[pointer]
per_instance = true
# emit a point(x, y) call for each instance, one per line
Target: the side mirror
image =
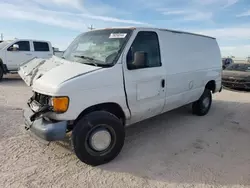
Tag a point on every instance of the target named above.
point(140, 59)
point(15, 47)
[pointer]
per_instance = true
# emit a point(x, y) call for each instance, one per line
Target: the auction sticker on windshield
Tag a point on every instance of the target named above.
point(117, 35)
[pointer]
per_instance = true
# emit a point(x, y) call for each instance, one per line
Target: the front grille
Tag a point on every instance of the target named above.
point(40, 98)
point(233, 80)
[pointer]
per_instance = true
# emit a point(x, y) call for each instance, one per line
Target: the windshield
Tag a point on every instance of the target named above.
point(239, 67)
point(4, 43)
point(100, 47)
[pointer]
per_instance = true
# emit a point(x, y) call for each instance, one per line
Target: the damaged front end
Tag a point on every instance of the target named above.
point(39, 106)
point(35, 68)
point(47, 77)
point(37, 121)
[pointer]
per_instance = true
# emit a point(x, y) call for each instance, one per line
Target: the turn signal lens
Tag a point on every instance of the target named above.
point(60, 104)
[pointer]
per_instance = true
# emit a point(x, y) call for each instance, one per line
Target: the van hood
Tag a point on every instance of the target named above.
point(52, 72)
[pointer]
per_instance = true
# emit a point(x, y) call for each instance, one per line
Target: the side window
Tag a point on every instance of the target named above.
point(41, 46)
point(22, 46)
point(144, 52)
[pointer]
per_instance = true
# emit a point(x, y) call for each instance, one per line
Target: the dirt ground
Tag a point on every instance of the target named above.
point(175, 149)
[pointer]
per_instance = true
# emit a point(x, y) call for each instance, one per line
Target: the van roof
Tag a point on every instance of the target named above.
point(161, 29)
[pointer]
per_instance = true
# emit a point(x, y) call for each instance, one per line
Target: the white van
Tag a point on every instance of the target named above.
point(110, 78)
point(15, 52)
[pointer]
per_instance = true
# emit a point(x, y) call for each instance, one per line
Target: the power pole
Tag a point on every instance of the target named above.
point(91, 27)
point(1, 36)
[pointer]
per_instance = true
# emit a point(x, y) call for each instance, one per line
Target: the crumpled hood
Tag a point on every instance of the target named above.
point(52, 72)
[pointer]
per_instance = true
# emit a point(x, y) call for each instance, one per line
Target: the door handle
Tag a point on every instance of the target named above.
point(28, 54)
point(163, 83)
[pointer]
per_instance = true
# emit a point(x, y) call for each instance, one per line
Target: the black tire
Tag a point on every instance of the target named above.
point(199, 108)
point(1, 73)
point(90, 124)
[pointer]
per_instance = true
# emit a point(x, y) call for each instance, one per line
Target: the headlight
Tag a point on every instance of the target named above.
point(60, 104)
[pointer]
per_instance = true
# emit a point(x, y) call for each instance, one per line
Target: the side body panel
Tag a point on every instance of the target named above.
point(191, 62)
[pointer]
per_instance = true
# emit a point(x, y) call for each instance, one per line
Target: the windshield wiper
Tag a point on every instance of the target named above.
point(84, 57)
point(88, 58)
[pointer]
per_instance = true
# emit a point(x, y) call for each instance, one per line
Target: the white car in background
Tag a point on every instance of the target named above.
point(13, 53)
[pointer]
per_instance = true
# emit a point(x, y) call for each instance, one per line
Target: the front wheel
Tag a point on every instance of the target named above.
point(98, 138)
point(203, 105)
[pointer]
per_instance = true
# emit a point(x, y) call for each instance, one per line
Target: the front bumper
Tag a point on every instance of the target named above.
point(237, 85)
point(44, 129)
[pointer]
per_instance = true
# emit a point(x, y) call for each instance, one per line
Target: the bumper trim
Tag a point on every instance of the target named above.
point(239, 85)
point(44, 129)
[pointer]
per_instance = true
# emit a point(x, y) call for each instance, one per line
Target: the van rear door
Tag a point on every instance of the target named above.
point(145, 81)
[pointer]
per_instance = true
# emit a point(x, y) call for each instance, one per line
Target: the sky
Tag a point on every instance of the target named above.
point(60, 21)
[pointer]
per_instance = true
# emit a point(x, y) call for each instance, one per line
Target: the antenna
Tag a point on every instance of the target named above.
point(1, 36)
point(91, 27)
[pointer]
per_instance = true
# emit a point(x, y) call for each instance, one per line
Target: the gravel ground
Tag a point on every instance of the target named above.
point(175, 149)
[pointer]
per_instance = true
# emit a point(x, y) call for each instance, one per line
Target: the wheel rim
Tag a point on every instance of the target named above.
point(100, 140)
point(206, 102)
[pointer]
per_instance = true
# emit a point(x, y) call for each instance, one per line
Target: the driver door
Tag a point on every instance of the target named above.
point(145, 83)
point(15, 57)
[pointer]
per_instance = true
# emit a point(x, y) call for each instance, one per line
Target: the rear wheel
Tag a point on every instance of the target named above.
point(98, 138)
point(1, 73)
point(203, 105)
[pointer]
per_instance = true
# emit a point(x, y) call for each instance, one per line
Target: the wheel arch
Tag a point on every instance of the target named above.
point(111, 107)
point(211, 85)
point(1, 63)
point(3, 66)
